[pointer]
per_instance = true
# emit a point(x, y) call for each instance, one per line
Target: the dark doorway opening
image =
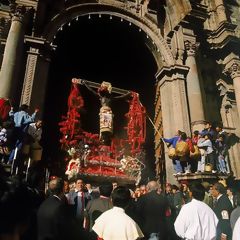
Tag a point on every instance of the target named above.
point(102, 48)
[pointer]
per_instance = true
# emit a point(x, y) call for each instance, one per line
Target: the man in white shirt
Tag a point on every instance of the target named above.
point(115, 224)
point(236, 230)
point(196, 220)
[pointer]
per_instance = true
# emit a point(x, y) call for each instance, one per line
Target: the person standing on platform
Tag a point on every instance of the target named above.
point(35, 131)
point(21, 121)
point(173, 142)
point(196, 220)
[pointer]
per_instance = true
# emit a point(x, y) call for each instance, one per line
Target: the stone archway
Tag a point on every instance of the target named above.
point(154, 40)
point(170, 78)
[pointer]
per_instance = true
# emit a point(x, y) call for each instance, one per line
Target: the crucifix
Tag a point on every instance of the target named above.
point(104, 92)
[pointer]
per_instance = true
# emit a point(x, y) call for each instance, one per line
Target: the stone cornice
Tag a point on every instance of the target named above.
point(172, 73)
point(222, 35)
point(227, 94)
point(199, 11)
point(231, 65)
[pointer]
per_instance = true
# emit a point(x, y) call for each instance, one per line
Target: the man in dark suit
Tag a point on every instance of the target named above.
point(47, 215)
point(222, 209)
point(97, 206)
point(79, 198)
point(151, 210)
point(56, 219)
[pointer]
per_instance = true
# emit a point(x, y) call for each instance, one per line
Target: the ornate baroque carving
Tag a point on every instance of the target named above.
point(191, 47)
point(17, 12)
point(29, 76)
point(227, 94)
point(233, 70)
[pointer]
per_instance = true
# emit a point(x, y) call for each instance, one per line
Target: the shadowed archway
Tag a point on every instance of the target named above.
point(102, 48)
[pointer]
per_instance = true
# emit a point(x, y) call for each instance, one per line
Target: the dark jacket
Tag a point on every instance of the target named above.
point(96, 207)
point(47, 217)
point(223, 209)
point(151, 210)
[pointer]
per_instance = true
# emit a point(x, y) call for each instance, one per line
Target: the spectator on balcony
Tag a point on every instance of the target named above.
point(187, 163)
point(172, 142)
point(35, 131)
point(195, 137)
point(207, 145)
point(209, 130)
point(21, 121)
point(220, 131)
point(221, 152)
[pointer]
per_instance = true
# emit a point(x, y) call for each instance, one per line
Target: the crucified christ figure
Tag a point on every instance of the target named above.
point(104, 92)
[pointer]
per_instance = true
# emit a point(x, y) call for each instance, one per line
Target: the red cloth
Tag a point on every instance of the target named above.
point(190, 145)
point(4, 108)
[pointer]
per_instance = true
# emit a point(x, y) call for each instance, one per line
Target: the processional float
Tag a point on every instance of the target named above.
point(101, 156)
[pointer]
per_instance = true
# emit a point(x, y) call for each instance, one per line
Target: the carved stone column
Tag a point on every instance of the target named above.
point(33, 55)
point(231, 123)
point(12, 50)
point(35, 80)
point(232, 68)
point(2, 27)
point(220, 10)
point(193, 88)
point(171, 81)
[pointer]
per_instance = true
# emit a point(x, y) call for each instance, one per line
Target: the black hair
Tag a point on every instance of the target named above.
point(220, 188)
point(209, 136)
point(222, 136)
point(121, 197)
point(196, 132)
point(183, 136)
point(78, 177)
point(106, 189)
point(197, 190)
point(55, 186)
point(24, 107)
point(175, 187)
point(17, 204)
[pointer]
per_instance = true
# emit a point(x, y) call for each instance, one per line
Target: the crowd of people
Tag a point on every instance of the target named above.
point(206, 151)
point(19, 132)
point(109, 211)
point(72, 209)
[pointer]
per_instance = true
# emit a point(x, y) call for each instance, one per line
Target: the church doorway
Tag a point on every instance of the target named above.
point(99, 48)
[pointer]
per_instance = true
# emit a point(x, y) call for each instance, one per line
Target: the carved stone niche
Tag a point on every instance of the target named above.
point(230, 120)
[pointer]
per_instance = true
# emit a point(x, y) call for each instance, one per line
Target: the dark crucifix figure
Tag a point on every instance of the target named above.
point(104, 92)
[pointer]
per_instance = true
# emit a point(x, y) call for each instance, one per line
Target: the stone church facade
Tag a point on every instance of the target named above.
point(195, 45)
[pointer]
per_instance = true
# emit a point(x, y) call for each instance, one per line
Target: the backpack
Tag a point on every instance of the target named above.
point(196, 154)
point(171, 153)
point(182, 149)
